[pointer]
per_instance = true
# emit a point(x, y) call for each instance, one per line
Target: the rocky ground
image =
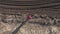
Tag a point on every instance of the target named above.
point(12, 15)
point(40, 24)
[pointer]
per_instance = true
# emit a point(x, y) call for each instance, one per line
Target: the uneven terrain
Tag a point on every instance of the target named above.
point(45, 17)
point(8, 23)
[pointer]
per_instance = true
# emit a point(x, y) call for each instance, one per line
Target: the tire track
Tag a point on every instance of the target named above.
point(32, 7)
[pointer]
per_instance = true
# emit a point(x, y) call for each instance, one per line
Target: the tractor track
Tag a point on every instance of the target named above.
point(32, 7)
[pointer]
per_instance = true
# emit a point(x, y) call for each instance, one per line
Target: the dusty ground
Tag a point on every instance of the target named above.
point(30, 27)
point(38, 25)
